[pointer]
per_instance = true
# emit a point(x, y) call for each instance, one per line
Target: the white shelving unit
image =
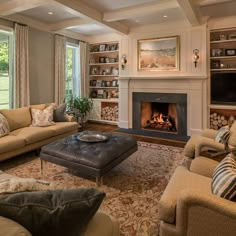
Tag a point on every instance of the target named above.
point(222, 62)
point(103, 81)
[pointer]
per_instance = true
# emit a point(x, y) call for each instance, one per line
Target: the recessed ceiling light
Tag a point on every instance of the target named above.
point(165, 16)
point(137, 21)
point(50, 13)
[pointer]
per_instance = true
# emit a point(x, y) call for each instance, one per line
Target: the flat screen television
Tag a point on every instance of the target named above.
point(223, 88)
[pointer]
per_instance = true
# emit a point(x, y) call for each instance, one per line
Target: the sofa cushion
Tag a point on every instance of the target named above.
point(11, 142)
point(4, 127)
point(182, 179)
point(222, 135)
point(232, 138)
point(42, 118)
point(11, 228)
point(59, 113)
point(203, 166)
point(63, 127)
point(58, 212)
point(33, 134)
point(224, 178)
point(17, 118)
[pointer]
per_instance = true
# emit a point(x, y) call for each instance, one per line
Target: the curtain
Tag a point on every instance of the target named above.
point(60, 50)
point(83, 69)
point(21, 84)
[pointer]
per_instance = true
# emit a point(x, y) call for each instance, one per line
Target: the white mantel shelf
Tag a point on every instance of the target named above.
point(175, 77)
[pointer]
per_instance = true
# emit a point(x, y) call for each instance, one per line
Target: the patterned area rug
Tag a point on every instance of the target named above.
point(132, 189)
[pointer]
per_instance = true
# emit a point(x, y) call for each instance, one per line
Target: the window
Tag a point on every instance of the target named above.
point(72, 84)
point(6, 69)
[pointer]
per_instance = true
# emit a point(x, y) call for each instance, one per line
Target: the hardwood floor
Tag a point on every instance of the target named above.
point(113, 128)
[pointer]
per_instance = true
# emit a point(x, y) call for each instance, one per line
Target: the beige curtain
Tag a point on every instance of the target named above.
point(83, 69)
point(60, 50)
point(21, 85)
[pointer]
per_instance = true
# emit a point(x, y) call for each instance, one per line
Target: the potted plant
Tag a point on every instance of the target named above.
point(79, 107)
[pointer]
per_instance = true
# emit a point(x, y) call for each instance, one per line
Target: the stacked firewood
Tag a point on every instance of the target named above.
point(218, 120)
point(110, 113)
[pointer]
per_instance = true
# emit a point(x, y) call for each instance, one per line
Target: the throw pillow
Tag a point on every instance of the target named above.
point(41, 118)
point(232, 138)
point(222, 135)
point(59, 113)
point(47, 213)
point(17, 184)
point(224, 178)
point(4, 127)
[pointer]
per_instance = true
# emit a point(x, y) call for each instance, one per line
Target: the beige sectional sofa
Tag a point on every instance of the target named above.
point(23, 138)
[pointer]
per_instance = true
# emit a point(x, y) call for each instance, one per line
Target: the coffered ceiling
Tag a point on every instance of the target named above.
point(83, 17)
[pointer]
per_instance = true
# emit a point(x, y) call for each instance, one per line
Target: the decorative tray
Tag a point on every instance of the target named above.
point(92, 138)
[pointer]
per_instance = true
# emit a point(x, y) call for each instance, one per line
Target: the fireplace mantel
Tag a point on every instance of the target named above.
point(194, 87)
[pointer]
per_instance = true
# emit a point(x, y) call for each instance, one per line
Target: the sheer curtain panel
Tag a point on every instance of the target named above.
point(60, 49)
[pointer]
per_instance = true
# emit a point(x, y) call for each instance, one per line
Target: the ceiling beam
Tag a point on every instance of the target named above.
point(139, 10)
point(190, 12)
point(68, 23)
point(27, 21)
point(14, 6)
point(211, 2)
point(93, 14)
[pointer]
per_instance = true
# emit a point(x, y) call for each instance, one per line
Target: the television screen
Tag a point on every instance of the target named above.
point(223, 88)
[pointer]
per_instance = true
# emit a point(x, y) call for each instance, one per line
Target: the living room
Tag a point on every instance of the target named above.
point(127, 26)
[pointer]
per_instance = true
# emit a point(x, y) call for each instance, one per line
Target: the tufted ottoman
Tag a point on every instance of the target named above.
point(89, 158)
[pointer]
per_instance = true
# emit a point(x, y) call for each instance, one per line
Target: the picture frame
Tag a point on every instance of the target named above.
point(102, 47)
point(100, 93)
point(230, 52)
point(216, 52)
point(99, 83)
point(232, 36)
point(101, 59)
point(114, 83)
point(159, 54)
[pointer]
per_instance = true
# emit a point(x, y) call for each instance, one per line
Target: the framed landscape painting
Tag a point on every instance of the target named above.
point(161, 54)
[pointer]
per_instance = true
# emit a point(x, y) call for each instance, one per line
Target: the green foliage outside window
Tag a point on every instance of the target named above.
point(4, 60)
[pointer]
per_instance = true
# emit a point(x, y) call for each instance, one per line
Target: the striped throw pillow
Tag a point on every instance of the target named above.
point(224, 178)
point(222, 135)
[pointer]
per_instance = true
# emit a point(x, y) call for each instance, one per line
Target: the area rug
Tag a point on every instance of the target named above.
point(132, 189)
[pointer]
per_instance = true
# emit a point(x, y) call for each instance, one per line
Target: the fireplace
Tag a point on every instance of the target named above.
point(160, 114)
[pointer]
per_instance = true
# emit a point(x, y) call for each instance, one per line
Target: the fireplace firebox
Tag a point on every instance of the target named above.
point(160, 113)
point(159, 116)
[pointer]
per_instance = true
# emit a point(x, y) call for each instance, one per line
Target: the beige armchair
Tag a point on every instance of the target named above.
point(188, 207)
point(206, 140)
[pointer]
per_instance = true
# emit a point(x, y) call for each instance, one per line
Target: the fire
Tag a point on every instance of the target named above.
point(158, 117)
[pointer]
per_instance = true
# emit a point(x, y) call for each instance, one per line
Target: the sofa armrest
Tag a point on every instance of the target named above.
point(96, 226)
point(208, 143)
point(209, 133)
point(205, 214)
point(11, 228)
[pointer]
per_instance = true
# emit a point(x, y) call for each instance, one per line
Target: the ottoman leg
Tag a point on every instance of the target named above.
point(99, 181)
point(42, 165)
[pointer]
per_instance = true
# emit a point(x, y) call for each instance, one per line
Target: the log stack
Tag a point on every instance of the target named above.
point(218, 120)
point(110, 113)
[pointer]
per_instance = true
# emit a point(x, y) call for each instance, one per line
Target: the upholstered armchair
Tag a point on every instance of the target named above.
point(189, 208)
point(207, 140)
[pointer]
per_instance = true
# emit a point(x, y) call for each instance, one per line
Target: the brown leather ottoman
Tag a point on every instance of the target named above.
point(89, 158)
